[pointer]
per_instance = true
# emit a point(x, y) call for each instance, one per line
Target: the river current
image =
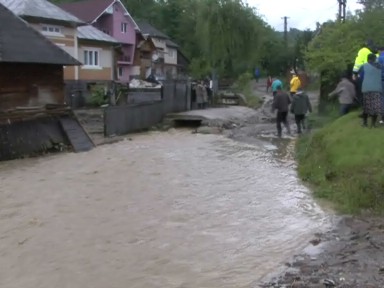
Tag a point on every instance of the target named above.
point(171, 209)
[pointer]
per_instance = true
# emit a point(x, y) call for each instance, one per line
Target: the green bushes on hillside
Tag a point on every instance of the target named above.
point(345, 164)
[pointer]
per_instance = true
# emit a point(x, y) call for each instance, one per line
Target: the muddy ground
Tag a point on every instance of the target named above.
point(350, 255)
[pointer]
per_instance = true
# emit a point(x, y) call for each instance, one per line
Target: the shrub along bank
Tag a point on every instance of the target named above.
point(345, 164)
point(244, 85)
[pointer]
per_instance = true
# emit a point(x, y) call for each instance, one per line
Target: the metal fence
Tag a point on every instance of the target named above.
point(123, 119)
point(139, 95)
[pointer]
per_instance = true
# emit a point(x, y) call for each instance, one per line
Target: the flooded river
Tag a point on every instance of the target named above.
point(170, 210)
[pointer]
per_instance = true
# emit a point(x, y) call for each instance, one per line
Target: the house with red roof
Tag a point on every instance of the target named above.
point(112, 18)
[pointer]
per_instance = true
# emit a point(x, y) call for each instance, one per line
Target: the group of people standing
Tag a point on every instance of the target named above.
point(366, 87)
point(297, 102)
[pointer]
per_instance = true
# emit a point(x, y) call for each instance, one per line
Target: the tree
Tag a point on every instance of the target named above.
point(370, 5)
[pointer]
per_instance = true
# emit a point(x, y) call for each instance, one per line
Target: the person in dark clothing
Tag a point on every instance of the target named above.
point(300, 107)
point(281, 103)
point(346, 92)
point(269, 83)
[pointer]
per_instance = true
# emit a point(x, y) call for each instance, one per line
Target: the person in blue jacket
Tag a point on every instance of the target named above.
point(257, 74)
point(275, 84)
point(381, 62)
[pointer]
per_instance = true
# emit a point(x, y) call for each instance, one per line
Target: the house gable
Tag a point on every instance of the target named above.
point(15, 33)
point(41, 10)
point(91, 10)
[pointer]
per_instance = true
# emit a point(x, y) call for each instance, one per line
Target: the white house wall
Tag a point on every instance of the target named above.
point(170, 56)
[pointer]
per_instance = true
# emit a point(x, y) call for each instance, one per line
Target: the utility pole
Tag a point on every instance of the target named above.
point(342, 10)
point(286, 30)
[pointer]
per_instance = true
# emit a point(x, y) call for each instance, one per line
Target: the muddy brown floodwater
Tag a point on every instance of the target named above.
point(171, 209)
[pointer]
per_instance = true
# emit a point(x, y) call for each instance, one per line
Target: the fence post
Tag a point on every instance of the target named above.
point(188, 95)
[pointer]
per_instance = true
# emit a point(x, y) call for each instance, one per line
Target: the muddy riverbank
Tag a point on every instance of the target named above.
point(351, 254)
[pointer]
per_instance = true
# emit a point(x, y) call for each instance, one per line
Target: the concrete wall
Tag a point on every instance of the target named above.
point(128, 118)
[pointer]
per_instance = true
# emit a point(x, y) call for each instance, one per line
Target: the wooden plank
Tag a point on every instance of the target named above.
point(77, 136)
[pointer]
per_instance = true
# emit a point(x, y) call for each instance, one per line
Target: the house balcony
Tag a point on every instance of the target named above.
point(124, 60)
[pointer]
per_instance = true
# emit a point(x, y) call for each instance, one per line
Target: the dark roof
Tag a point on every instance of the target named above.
point(170, 43)
point(19, 42)
point(148, 29)
point(41, 9)
point(87, 10)
point(90, 10)
point(182, 59)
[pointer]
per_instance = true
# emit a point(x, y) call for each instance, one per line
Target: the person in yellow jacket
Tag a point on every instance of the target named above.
point(362, 58)
point(295, 83)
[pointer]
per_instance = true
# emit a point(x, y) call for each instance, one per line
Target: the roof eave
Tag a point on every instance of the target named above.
point(113, 43)
point(74, 63)
point(54, 21)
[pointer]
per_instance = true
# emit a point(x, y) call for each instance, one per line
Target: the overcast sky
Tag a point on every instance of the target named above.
point(302, 13)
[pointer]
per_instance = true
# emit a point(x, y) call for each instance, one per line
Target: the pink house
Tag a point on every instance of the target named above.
point(111, 17)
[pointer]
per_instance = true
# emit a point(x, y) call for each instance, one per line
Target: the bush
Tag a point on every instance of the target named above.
point(243, 81)
point(243, 85)
point(97, 96)
point(344, 162)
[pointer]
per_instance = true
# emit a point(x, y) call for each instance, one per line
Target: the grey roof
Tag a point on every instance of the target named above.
point(148, 29)
point(41, 9)
point(20, 43)
point(91, 33)
point(170, 43)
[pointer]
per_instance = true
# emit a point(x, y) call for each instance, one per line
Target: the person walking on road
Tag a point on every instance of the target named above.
point(276, 83)
point(346, 92)
point(295, 83)
point(257, 74)
point(269, 83)
point(281, 103)
point(300, 107)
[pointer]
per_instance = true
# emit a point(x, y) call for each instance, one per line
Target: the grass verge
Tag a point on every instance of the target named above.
point(345, 164)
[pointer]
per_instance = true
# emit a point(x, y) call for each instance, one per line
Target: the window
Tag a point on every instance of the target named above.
point(170, 53)
point(105, 31)
point(91, 58)
point(124, 27)
point(120, 72)
point(51, 29)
